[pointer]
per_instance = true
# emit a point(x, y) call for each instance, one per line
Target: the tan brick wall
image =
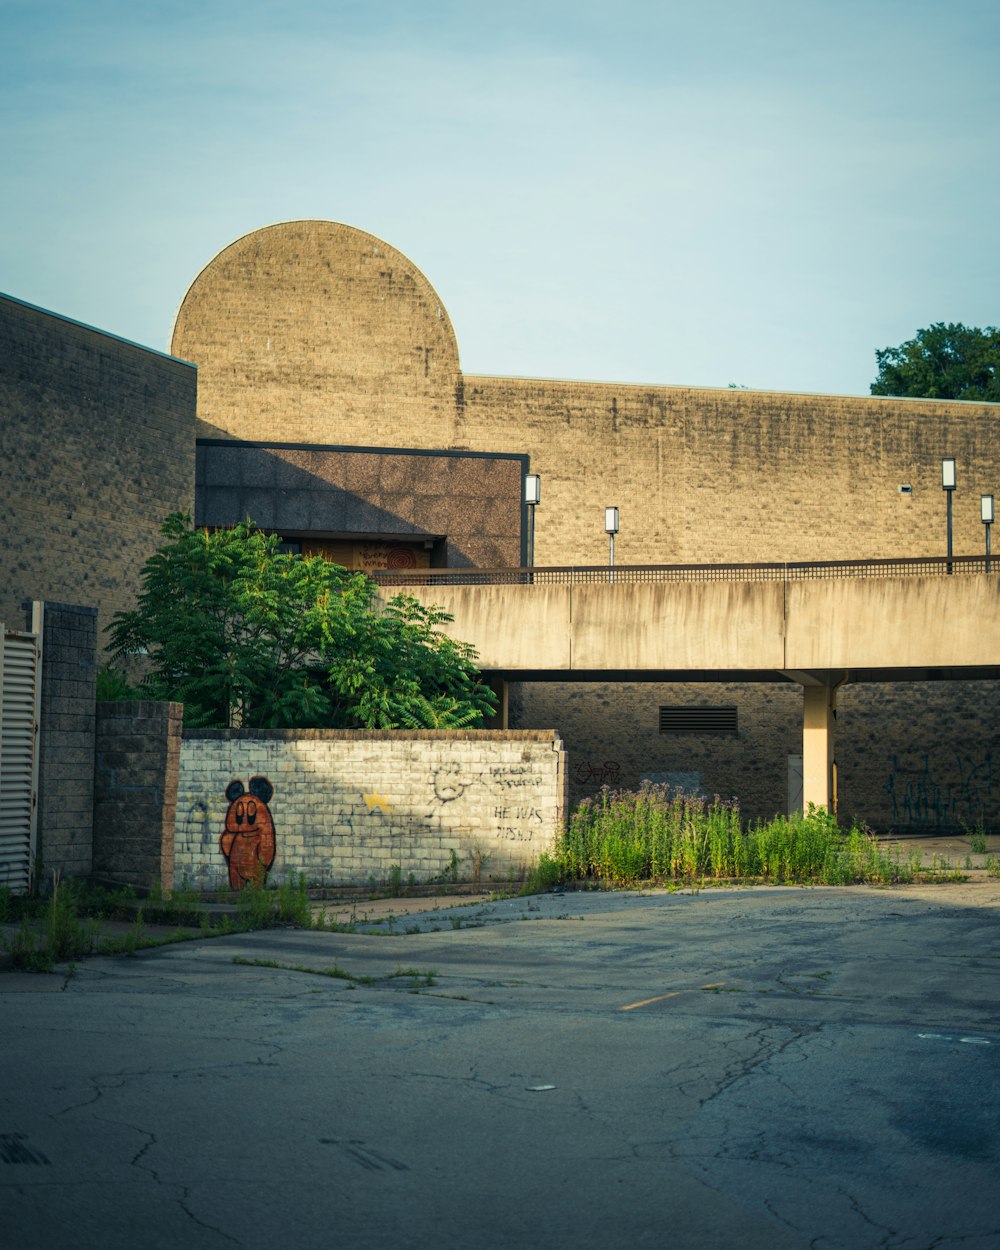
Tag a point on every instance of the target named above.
point(348, 805)
point(913, 756)
point(612, 737)
point(96, 447)
point(317, 333)
point(303, 337)
point(920, 756)
point(711, 476)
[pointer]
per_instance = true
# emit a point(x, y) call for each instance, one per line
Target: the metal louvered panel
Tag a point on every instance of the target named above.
point(19, 703)
point(717, 722)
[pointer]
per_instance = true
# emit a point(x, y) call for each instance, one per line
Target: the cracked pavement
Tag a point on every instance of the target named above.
point(772, 1068)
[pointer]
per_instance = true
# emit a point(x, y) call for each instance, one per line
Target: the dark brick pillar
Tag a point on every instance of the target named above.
point(135, 791)
point(66, 752)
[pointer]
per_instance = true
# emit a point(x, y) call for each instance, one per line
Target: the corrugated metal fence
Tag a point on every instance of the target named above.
point(20, 713)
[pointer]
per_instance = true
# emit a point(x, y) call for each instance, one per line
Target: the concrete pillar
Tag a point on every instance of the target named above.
point(819, 705)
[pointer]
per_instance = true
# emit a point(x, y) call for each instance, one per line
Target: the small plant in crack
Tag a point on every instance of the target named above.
point(335, 972)
point(415, 975)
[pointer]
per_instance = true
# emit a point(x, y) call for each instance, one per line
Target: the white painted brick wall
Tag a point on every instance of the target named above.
point(347, 807)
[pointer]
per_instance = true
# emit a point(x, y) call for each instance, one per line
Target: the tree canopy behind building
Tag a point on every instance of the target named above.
point(242, 632)
point(942, 362)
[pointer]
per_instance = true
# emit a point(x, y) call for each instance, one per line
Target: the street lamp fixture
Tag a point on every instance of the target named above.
point(532, 497)
point(948, 486)
point(986, 515)
point(611, 529)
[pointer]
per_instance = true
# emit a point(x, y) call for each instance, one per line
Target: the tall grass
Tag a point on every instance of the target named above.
point(660, 834)
point(67, 925)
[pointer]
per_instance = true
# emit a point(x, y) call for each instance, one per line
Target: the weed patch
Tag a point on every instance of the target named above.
point(664, 836)
point(415, 976)
point(54, 933)
point(334, 971)
point(65, 925)
point(977, 836)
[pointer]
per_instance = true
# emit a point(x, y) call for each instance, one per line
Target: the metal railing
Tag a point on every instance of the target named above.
point(627, 575)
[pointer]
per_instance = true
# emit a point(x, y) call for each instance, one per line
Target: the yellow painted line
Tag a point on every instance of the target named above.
point(673, 994)
point(646, 1001)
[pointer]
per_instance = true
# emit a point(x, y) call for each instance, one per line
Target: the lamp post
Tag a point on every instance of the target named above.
point(948, 486)
point(986, 514)
point(611, 529)
point(532, 497)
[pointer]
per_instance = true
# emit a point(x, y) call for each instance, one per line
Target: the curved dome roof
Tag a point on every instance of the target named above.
point(313, 320)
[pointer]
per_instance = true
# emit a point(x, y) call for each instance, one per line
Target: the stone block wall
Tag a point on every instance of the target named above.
point(96, 448)
point(306, 332)
point(916, 757)
point(352, 807)
point(324, 321)
point(920, 757)
point(317, 333)
point(66, 749)
point(612, 736)
point(135, 791)
point(719, 476)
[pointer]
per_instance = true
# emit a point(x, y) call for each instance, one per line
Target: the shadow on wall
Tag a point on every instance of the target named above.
point(468, 506)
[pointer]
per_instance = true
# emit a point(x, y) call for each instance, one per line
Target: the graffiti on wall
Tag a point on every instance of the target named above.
point(440, 818)
point(918, 797)
point(247, 838)
point(608, 773)
point(449, 783)
point(504, 778)
point(511, 787)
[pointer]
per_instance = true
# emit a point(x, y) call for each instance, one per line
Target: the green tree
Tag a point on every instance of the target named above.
point(942, 362)
point(241, 632)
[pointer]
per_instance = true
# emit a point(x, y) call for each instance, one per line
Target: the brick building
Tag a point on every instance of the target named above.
point(332, 408)
point(315, 334)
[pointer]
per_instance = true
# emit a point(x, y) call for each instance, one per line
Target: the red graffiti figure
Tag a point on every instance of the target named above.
point(247, 838)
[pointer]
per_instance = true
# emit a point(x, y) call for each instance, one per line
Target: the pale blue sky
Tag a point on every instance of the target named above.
point(673, 193)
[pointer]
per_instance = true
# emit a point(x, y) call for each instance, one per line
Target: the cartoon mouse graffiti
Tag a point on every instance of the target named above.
point(247, 838)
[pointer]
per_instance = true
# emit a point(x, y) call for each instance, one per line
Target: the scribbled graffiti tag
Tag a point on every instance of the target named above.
point(606, 774)
point(918, 797)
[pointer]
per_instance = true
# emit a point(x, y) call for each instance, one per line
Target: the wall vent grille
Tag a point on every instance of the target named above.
point(716, 722)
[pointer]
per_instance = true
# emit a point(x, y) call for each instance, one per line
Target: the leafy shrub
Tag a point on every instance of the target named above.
point(242, 632)
point(113, 685)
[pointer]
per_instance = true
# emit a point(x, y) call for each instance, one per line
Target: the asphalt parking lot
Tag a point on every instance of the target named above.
point(745, 1068)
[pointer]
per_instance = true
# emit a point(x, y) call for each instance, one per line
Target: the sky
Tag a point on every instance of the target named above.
point(672, 192)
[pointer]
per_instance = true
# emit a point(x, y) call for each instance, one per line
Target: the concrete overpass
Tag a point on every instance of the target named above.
point(816, 625)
